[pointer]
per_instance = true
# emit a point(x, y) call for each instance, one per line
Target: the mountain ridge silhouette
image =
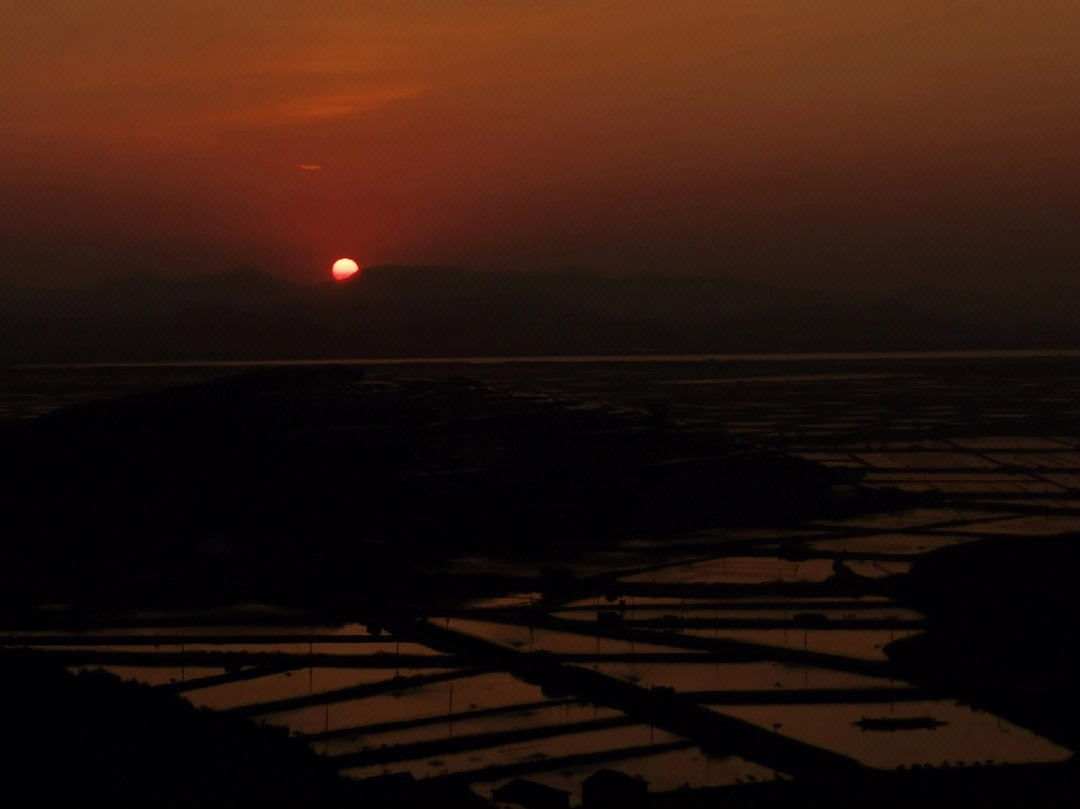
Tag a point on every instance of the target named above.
point(420, 310)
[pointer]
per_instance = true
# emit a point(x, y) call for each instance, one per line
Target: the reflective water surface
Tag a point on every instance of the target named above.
point(780, 627)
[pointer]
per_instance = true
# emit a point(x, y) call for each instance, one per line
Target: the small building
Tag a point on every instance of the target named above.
point(612, 788)
point(531, 795)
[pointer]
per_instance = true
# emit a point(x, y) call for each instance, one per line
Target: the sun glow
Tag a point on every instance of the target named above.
point(345, 268)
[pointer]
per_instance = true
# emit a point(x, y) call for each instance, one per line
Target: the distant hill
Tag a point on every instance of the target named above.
point(306, 465)
point(401, 311)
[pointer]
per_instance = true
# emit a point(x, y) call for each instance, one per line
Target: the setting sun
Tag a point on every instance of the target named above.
point(345, 268)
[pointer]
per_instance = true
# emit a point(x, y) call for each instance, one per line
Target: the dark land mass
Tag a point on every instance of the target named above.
point(92, 740)
point(1003, 629)
point(400, 311)
point(317, 486)
point(323, 488)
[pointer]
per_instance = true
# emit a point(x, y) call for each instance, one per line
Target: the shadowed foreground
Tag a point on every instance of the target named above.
point(92, 740)
point(193, 498)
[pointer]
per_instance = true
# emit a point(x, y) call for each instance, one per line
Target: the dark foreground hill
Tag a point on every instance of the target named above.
point(1003, 629)
point(92, 740)
point(313, 482)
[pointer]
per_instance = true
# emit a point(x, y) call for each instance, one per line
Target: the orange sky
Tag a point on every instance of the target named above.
point(801, 141)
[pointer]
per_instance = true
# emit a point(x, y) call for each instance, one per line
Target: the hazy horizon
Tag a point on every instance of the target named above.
point(900, 286)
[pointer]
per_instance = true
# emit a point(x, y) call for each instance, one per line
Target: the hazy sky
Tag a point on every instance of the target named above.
point(818, 142)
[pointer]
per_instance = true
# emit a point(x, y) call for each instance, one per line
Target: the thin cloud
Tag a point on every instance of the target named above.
point(312, 109)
